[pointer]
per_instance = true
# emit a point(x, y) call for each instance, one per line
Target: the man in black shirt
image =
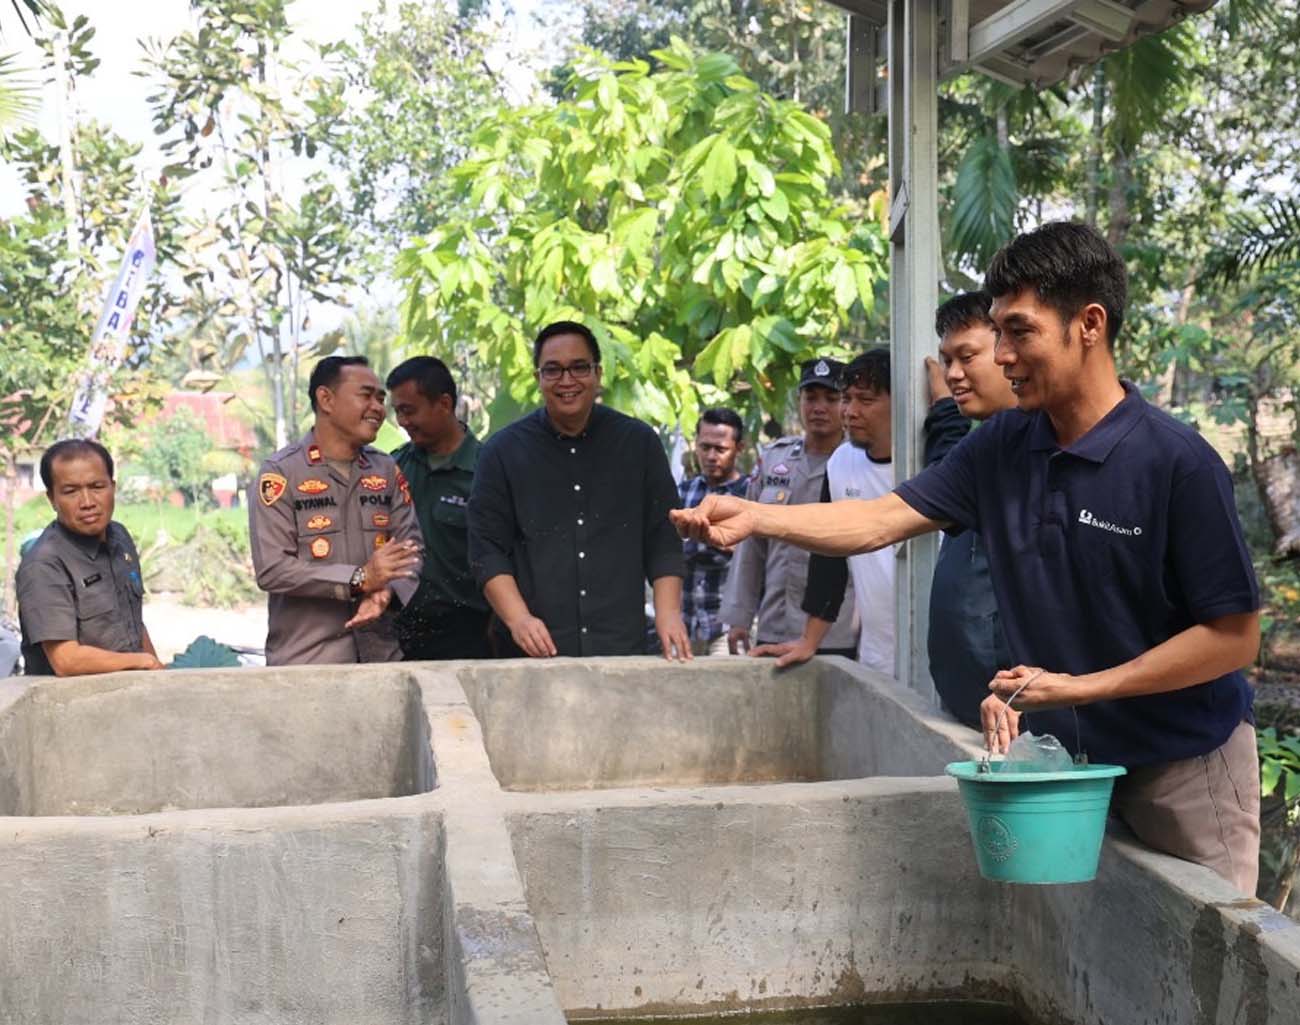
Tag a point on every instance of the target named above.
point(568, 518)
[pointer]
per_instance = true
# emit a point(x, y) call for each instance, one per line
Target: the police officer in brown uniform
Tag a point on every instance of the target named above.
point(334, 536)
point(768, 577)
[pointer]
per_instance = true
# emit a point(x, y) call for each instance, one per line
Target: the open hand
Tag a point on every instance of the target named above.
point(397, 560)
point(371, 608)
point(722, 521)
point(788, 653)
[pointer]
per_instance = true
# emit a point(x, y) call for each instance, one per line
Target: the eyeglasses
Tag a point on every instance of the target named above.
point(579, 371)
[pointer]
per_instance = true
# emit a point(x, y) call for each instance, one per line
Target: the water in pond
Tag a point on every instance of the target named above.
point(916, 1013)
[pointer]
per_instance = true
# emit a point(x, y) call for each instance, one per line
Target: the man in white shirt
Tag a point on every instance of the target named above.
point(861, 468)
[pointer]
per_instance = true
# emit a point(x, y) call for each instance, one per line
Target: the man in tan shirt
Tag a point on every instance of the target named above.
point(333, 533)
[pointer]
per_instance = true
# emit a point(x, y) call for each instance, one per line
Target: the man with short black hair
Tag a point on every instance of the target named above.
point(717, 444)
point(80, 595)
point(568, 518)
point(862, 467)
point(333, 534)
point(767, 578)
point(966, 643)
point(1123, 580)
point(448, 617)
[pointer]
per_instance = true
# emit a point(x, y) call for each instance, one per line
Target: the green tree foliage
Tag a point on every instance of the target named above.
point(235, 109)
point(422, 83)
point(173, 451)
point(681, 212)
point(792, 49)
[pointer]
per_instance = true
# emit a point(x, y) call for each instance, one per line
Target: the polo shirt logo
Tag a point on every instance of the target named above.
point(1088, 520)
point(460, 500)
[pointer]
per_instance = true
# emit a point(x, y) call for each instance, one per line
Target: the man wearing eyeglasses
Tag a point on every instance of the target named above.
point(568, 518)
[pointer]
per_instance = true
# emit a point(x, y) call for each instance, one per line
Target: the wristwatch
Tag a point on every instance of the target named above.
point(358, 582)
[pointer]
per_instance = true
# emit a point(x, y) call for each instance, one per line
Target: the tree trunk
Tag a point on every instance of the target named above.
point(1095, 145)
point(1278, 478)
point(1120, 217)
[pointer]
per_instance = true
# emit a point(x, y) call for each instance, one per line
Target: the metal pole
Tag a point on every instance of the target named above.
point(913, 295)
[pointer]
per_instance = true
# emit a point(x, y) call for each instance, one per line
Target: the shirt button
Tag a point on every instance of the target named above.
point(574, 451)
point(584, 629)
point(577, 487)
point(580, 521)
point(582, 593)
point(582, 555)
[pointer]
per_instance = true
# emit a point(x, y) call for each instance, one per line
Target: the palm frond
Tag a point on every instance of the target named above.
point(1145, 80)
point(37, 9)
point(1263, 240)
point(985, 197)
point(19, 99)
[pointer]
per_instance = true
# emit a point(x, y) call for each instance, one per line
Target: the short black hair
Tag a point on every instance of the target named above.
point(565, 327)
point(869, 370)
point(723, 417)
point(964, 310)
point(327, 372)
point(430, 374)
point(1068, 265)
point(72, 448)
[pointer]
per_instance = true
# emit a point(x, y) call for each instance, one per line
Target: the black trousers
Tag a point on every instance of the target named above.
point(443, 633)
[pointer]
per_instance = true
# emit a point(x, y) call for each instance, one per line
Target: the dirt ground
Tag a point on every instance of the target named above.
point(172, 626)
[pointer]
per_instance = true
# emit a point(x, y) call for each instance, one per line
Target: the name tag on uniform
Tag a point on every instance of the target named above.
point(94, 578)
point(459, 500)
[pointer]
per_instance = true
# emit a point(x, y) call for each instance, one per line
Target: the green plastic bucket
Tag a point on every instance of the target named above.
point(1036, 827)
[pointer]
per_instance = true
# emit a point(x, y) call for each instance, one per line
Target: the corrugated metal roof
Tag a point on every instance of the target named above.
point(1040, 42)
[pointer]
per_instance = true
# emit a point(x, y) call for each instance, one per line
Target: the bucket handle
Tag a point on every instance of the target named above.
point(985, 765)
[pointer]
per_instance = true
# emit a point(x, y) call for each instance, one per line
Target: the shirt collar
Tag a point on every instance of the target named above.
point(1100, 441)
point(593, 422)
point(91, 546)
point(312, 454)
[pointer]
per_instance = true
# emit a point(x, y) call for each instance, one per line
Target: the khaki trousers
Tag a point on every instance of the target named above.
point(1204, 810)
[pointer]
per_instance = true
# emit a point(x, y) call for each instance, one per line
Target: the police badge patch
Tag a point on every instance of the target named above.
point(312, 486)
point(320, 547)
point(374, 483)
point(270, 486)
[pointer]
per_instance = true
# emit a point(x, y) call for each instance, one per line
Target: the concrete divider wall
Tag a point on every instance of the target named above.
point(129, 743)
point(800, 895)
point(286, 916)
point(470, 905)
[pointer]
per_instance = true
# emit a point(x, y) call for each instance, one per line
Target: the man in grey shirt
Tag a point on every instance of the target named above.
point(80, 595)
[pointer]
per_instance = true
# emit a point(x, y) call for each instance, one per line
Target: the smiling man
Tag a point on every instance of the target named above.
point(333, 533)
point(568, 519)
point(448, 617)
point(1122, 578)
point(80, 597)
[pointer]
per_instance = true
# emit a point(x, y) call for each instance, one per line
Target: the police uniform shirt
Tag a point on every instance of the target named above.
point(310, 527)
point(768, 577)
point(77, 588)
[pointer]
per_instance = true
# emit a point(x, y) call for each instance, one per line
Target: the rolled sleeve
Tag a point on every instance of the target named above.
point(46, 606)
point(491, 519)
point(1207, 549)
point(274, 540)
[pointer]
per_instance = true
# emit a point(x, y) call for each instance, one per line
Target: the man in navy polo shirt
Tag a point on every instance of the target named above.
point(1125, 587)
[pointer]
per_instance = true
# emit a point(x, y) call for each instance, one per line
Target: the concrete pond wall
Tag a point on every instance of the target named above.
point(514, 842)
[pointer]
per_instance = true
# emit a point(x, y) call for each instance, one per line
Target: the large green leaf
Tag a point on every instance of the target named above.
point(984, 201)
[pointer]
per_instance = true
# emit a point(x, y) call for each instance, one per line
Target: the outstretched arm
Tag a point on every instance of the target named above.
point(835, 528)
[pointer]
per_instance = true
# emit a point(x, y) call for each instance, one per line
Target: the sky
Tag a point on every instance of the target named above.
point(118, 97)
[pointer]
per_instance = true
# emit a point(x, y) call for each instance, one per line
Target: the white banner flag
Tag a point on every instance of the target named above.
point(108, 345)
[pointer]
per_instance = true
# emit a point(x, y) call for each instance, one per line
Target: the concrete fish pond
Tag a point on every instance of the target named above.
point(534, 843)
point(919, 1013)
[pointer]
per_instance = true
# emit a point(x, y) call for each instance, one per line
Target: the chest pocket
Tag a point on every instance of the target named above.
point(449, 516)
point(320, 535)
point(776, 491)
point(96, 600)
